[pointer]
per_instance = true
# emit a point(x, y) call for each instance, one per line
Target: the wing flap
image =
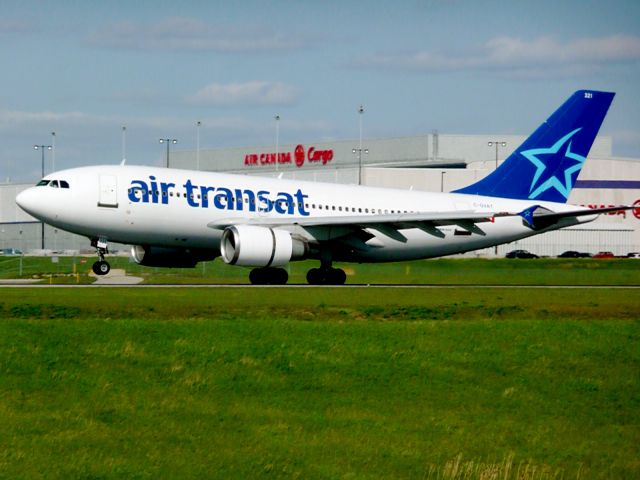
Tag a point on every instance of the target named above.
point(397, 221)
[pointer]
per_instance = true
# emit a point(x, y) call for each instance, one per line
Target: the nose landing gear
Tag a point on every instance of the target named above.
point(100, 267)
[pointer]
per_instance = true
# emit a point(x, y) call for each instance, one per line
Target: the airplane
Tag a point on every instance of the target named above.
point(177, 218)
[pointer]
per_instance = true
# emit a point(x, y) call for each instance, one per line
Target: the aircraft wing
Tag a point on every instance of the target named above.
point(537, 217)
point(397, 220)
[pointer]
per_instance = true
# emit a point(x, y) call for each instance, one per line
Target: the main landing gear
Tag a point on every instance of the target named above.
point(326, 276)
point(279, 276)
point(268, 276)
point(101, 267)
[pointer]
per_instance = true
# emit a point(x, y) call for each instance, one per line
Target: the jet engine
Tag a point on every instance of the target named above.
point(254, 246)
point(151, 256)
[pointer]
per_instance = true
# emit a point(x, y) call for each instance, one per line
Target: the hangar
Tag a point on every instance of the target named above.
point(430, 162)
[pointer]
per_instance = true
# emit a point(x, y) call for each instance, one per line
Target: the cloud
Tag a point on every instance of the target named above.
point(188, 34)
point(10, 27)
point(517, 56)
point(249, 93)
point(13, 118)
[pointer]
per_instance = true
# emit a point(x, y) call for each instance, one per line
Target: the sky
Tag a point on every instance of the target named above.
point(85, 69)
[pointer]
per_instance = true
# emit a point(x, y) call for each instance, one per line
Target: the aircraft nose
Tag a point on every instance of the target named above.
point(27, 200)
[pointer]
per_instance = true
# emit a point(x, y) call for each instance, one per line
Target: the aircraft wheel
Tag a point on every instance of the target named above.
point(314, 277)
point(101, 267)
point(268, 276)
point(326, 276)
point(256, 276)
point(280, 276)
point(337, 276)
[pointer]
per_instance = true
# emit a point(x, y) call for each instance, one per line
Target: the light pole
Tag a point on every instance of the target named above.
point(497, 144)
point(198, 124)
point(442, 174)
point(53, 151)
point(277, 119)
point(168, 141)
point(124, 143)
point(359, 150)
point(21, 251)
point(42, 149)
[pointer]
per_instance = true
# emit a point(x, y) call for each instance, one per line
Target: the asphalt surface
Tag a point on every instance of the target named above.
point(107, 284)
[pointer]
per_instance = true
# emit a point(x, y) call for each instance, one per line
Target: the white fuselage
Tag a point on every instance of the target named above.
point(181, 208)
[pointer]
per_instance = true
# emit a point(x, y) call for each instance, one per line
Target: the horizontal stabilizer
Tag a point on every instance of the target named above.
point(538, 217)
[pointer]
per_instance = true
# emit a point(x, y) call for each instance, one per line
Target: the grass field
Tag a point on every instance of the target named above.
point(445, 271)
point(320, 383)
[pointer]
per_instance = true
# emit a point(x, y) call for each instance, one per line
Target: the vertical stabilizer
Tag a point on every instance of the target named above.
point(546, 166)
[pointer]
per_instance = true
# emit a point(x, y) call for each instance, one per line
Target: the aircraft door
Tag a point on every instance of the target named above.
point(108, 195)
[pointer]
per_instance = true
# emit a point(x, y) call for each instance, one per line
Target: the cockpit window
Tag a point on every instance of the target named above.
point(53, 183)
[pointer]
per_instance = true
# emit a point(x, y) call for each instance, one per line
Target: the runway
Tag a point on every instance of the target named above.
point(304, 286)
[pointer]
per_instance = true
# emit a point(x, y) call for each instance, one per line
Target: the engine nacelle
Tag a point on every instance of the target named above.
point(253, 246)
point(169, 257)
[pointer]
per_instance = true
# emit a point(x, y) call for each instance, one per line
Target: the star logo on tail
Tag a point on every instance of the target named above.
point(548, 171)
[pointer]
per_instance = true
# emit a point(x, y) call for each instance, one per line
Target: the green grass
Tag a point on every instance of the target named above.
point(444, 271)
point(319, 383)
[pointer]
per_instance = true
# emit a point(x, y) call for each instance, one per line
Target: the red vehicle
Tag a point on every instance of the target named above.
point(604, 255)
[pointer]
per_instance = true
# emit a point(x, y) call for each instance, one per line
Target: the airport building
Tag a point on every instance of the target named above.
point(431, 162)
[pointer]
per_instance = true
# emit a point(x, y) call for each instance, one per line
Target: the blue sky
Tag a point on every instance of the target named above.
point(84, 69)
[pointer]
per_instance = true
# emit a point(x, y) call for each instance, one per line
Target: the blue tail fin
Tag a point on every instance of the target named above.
point(547, 164)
